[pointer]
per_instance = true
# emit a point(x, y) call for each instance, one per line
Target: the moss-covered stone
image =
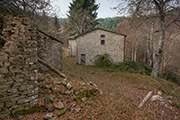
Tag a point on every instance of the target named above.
point(85, 93)
point(77, 98)
point(25, 112)
point(40, 108)
point(94, 91)
point(61, 112)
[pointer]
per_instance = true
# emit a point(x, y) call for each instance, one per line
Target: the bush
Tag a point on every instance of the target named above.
point(128, 66)
point(172, 77)
point(104, 61)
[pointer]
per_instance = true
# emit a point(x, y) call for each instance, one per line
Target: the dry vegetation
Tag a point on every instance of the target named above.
point(121, 93)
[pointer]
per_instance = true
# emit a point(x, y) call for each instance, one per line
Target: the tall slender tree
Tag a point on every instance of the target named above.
point(159, 9)
point(81, 16)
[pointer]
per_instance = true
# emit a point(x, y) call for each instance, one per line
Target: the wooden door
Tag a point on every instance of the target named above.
point(83, 59)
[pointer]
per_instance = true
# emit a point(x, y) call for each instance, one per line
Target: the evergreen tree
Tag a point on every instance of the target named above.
point(56, 23)
point(81, 16)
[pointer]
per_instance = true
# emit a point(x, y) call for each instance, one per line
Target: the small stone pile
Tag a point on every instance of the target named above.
point(18, 66)
point(59, 96)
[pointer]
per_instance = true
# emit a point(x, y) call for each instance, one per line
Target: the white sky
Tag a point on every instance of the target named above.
point(103, 11)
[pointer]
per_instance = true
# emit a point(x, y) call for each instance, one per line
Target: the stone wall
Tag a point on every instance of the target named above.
point(89, 44)
point(19, 63)
point(50, 50)
point(18, 66)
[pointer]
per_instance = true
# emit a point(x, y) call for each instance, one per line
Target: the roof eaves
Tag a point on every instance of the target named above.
point(101, 29)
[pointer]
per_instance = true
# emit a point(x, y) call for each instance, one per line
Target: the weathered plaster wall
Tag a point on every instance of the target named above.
point(90, 45)
point(18, 67)
point(50, 51)
point(72, 47)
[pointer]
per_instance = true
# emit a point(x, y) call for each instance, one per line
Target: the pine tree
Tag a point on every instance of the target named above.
point(56, 23)
point(81, 16)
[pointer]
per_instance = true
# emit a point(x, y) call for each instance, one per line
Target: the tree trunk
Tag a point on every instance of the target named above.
point(158, 54)
point(135, 54)
point(132, 58)
point(150, 48)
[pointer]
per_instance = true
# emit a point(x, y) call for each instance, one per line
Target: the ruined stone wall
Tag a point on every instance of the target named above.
point(50, 50)
point(18, 67)
point(90, 45)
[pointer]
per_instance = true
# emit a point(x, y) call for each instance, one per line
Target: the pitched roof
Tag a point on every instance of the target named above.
point(103, 30)
point(53, 38)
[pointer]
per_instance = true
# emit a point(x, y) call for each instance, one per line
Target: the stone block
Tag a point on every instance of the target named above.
point(4, 114)
point(16, 107)
point(4, 87)
point(4, 70)
point(18, 98)
point(27, 99)
point(25, 87)
point(16, 110)
point(2, 80)
point(30, 92)
point(12, 90)
point(1, 105)
point(9, 104)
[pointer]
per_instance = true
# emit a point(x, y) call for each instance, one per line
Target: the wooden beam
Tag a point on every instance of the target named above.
point(51, 68)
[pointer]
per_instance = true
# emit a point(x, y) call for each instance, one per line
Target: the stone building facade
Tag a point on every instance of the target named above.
point(98, 42)
point(72, 47)
point(19, 63)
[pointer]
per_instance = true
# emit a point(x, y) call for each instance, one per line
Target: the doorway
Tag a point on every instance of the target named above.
point(83, 59)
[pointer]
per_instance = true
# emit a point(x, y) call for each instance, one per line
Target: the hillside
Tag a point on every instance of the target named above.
point(105, 23)
point(122, 92)
point(119, 97)
point(110, 23)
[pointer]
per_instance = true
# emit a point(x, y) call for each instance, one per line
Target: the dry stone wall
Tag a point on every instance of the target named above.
point(18, 67)
point(19, 63)
point(50, 50)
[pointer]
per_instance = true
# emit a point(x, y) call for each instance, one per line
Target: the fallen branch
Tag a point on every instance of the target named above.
point(145, 99)
point(51, 68)
point(174, 90)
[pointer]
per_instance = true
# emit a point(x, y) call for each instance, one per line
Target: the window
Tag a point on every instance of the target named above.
point(102, 36)
point(102, 42)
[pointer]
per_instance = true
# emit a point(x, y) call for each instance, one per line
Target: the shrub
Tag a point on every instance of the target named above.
point(172, 77)
point(128, 66)
point(103, 61)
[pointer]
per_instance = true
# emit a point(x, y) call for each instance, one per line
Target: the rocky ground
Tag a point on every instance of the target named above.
point(60, 99)
point(95, 94)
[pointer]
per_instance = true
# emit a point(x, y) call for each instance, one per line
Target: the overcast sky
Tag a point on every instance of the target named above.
point(103, 11)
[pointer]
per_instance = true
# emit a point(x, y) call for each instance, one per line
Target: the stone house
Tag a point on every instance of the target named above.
point(98, 42)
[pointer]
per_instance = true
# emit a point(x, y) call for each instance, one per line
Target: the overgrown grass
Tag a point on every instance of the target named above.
point(104, 61)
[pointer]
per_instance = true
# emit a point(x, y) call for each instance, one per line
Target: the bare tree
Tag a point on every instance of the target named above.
point(158, 9)
point(25, 7)
point(79, 21)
